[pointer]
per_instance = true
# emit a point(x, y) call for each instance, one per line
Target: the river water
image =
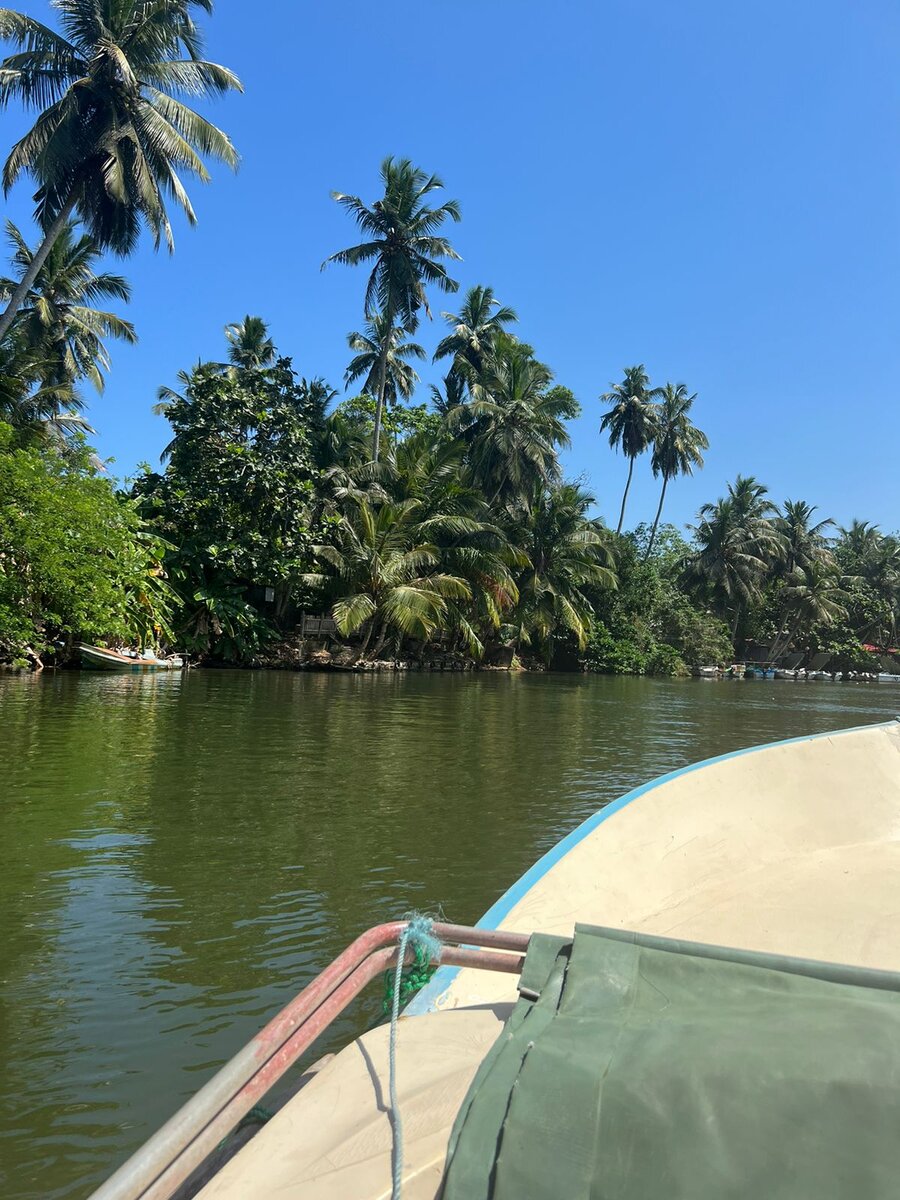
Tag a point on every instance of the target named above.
point(180, 854)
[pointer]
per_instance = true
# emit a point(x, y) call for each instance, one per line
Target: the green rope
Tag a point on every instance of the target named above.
point(418, 934)
point(256, 1116)
point(413, 979)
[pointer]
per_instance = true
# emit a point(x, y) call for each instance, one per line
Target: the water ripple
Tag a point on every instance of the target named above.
point(183, 854)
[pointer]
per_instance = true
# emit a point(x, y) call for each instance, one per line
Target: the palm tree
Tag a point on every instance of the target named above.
point(812, 596)
point(881, 571)
point(804, 541)
point(631, 422)
point(678, 444)
point(513, 424)
point(249, 346)
point(804, 551)
point(111, 137)
point(386, 572)
point(749, 498)
point(38, 413)
point(470, 544)
point(567, 553)
point(400, 378)
point(473, 331)
point(861, 539)
point(404, 247)
point(736, 545)
point(57, 327)
point(452, 396)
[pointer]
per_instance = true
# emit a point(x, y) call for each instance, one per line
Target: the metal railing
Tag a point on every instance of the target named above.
point(175, 1151)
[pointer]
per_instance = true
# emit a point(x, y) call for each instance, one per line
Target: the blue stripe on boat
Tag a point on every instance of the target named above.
point(426, 1000)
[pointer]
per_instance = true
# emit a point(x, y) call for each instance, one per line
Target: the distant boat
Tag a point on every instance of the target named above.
point(97, 659)
point(708, 672)
point(888, 677)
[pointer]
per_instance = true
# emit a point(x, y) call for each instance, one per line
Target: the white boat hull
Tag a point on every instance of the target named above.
point(792, 848)
point(766, 849)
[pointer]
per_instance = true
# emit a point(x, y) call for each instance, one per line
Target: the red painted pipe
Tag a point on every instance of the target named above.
point(164, 1162)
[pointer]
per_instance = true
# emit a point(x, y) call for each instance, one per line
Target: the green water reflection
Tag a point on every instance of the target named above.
point(180, 854)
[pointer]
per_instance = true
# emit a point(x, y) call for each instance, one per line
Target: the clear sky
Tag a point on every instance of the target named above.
point(709, 187)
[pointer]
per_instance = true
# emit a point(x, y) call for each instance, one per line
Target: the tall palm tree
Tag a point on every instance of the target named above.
point(749, 498)
point(735, 546)
point(455, 514)
point(567, 553)
point(400, 377)
point(111, 137)
point(880, 569)
point(386, 572)
point(631, 422)
point(473, 330)
point(804, 556)
point(805, 541)
point(861, 539)
point(57, 327)
point(249, 346)
point(678, 444)
point(405, 251)
point(513, 424)
point(452, 396)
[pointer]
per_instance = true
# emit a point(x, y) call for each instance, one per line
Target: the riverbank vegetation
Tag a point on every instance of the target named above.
point(423, 525)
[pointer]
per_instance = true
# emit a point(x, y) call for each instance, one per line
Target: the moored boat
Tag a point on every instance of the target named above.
point(97, 658)
point(750, 871)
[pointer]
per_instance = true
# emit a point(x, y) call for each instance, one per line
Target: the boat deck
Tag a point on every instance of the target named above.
point(792, 848)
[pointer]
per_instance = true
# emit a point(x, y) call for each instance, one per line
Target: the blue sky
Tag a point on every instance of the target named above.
point(712, 189)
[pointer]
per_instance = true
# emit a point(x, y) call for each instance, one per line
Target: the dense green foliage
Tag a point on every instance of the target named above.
point(236, 500)
point(462, 531)
point(466, 534)
point(420, 527)
point(75, 558)
point(651, 624)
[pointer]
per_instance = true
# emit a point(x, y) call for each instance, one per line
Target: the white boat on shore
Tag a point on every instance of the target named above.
point(128, 662)
point(777, 865)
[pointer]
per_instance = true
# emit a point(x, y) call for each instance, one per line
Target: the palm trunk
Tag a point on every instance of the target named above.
point(40, 256)
point(367, 638)
point(625, 496)
point(734, 628)
point(382, 381)
point(379, 645)
point(784, 640)
point(776, 643)
point(656, 522)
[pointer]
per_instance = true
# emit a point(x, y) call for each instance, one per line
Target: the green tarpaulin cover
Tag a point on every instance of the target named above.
point(640, 1068)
